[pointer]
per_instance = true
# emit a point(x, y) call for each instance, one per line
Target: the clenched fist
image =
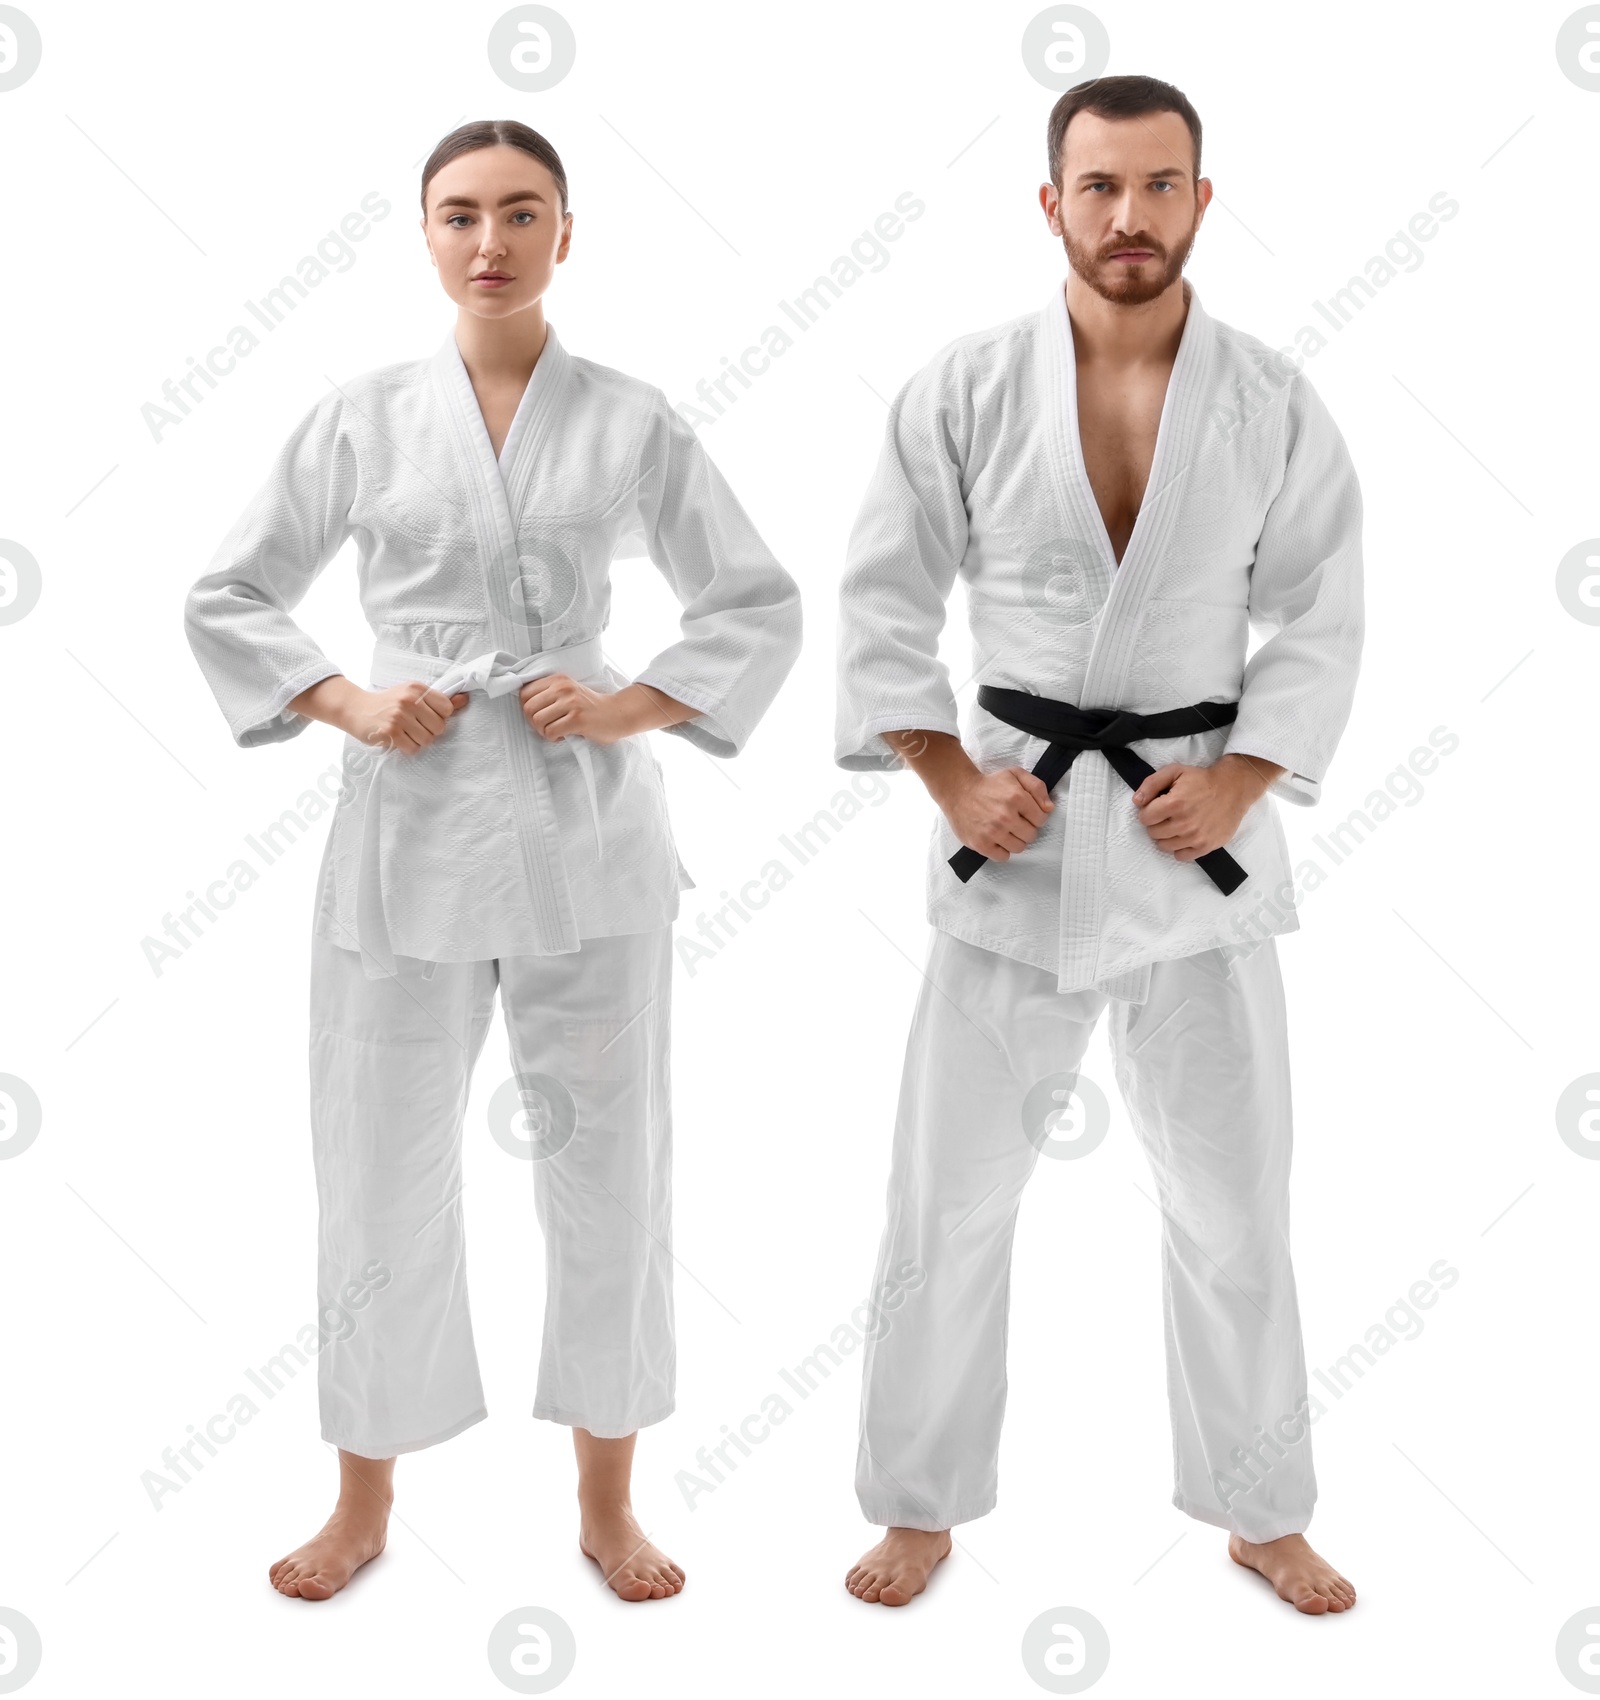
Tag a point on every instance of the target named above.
point(557, 707)
point(404, 717)
point(997, 814)
point(1190, 811)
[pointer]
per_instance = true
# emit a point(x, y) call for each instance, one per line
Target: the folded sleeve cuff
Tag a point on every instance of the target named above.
point(864, 751)
point(276, 722)
point(1290, 786)
point(711, 729)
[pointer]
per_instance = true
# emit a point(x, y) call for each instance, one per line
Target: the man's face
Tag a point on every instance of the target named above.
point(1129, 208)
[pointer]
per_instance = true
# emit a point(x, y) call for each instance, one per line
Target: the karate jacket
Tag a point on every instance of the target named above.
point(477, 573)
point(1250, 525)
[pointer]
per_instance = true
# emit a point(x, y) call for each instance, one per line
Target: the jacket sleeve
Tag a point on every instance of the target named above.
point(237, 617)
point(907, 544)
point(741, 611)
point(1305, 595)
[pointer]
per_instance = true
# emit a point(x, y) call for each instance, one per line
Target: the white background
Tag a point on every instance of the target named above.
point(157, 1239)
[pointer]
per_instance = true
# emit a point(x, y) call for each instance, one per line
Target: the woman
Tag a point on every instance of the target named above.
point(519, 839)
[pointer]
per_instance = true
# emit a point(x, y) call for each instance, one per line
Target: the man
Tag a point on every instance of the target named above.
point(1126, 487)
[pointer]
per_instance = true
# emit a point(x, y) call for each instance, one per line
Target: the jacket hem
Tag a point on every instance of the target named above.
point(1050, 964)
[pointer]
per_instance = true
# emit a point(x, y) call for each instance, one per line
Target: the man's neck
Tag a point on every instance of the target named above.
point(1118, 335)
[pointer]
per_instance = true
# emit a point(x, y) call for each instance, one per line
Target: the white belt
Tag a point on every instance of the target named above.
point(496, 673)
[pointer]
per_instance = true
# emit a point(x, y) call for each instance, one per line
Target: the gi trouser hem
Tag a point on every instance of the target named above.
point(1202, 1066)
point(618, 1430)
point(393, 1449)
point(1258, 1534)
point(892, 1514)
point(586, 1115)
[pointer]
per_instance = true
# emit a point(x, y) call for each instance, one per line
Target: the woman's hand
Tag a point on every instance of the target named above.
point(404, 717)
point(557, 707)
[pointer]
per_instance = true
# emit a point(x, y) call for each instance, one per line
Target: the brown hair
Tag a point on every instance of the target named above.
point(1118, 97)
point(492, 133)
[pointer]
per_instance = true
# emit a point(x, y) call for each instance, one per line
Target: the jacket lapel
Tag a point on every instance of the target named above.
point(498, 489)
point(490, 486)
point(1121, 590)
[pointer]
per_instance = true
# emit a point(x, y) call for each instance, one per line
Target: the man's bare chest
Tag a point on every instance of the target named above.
point(1118, 422)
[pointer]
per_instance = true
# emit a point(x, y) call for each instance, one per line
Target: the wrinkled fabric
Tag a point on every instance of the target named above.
point(1250, 524)
point(496, 675)
point(391, 1062)
point(486, 846)
point(1203, 1067)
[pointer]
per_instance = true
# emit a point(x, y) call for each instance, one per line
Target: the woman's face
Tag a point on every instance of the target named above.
point(495, 230)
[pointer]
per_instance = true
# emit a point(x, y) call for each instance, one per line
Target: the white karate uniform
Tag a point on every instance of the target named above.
point(549, 868)
point(1251, 519)
point(390, 1063)
point(489, 842)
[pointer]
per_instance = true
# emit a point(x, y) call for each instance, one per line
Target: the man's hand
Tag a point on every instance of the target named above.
point(404, 717)
point(996, 814)
point(1191, 811)
point(557, 707)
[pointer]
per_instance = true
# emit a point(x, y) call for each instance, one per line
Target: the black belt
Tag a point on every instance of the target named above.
point(1071, 730)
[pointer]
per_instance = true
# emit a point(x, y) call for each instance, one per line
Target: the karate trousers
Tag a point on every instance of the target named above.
point(1203, 1068)
point(391, 1060)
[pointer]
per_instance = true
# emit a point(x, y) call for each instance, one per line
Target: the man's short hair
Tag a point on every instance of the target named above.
point(1118, 97)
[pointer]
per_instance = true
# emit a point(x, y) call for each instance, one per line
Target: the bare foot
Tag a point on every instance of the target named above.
point(898, 1567)
point(1303, 1578)
point(355, 1533)
point(633, 1567)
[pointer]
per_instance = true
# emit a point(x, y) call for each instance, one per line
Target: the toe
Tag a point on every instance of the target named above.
point(895, 1595)
point(1311, 1602)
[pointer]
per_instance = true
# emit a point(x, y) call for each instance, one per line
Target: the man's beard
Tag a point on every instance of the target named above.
point(1128, 286)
